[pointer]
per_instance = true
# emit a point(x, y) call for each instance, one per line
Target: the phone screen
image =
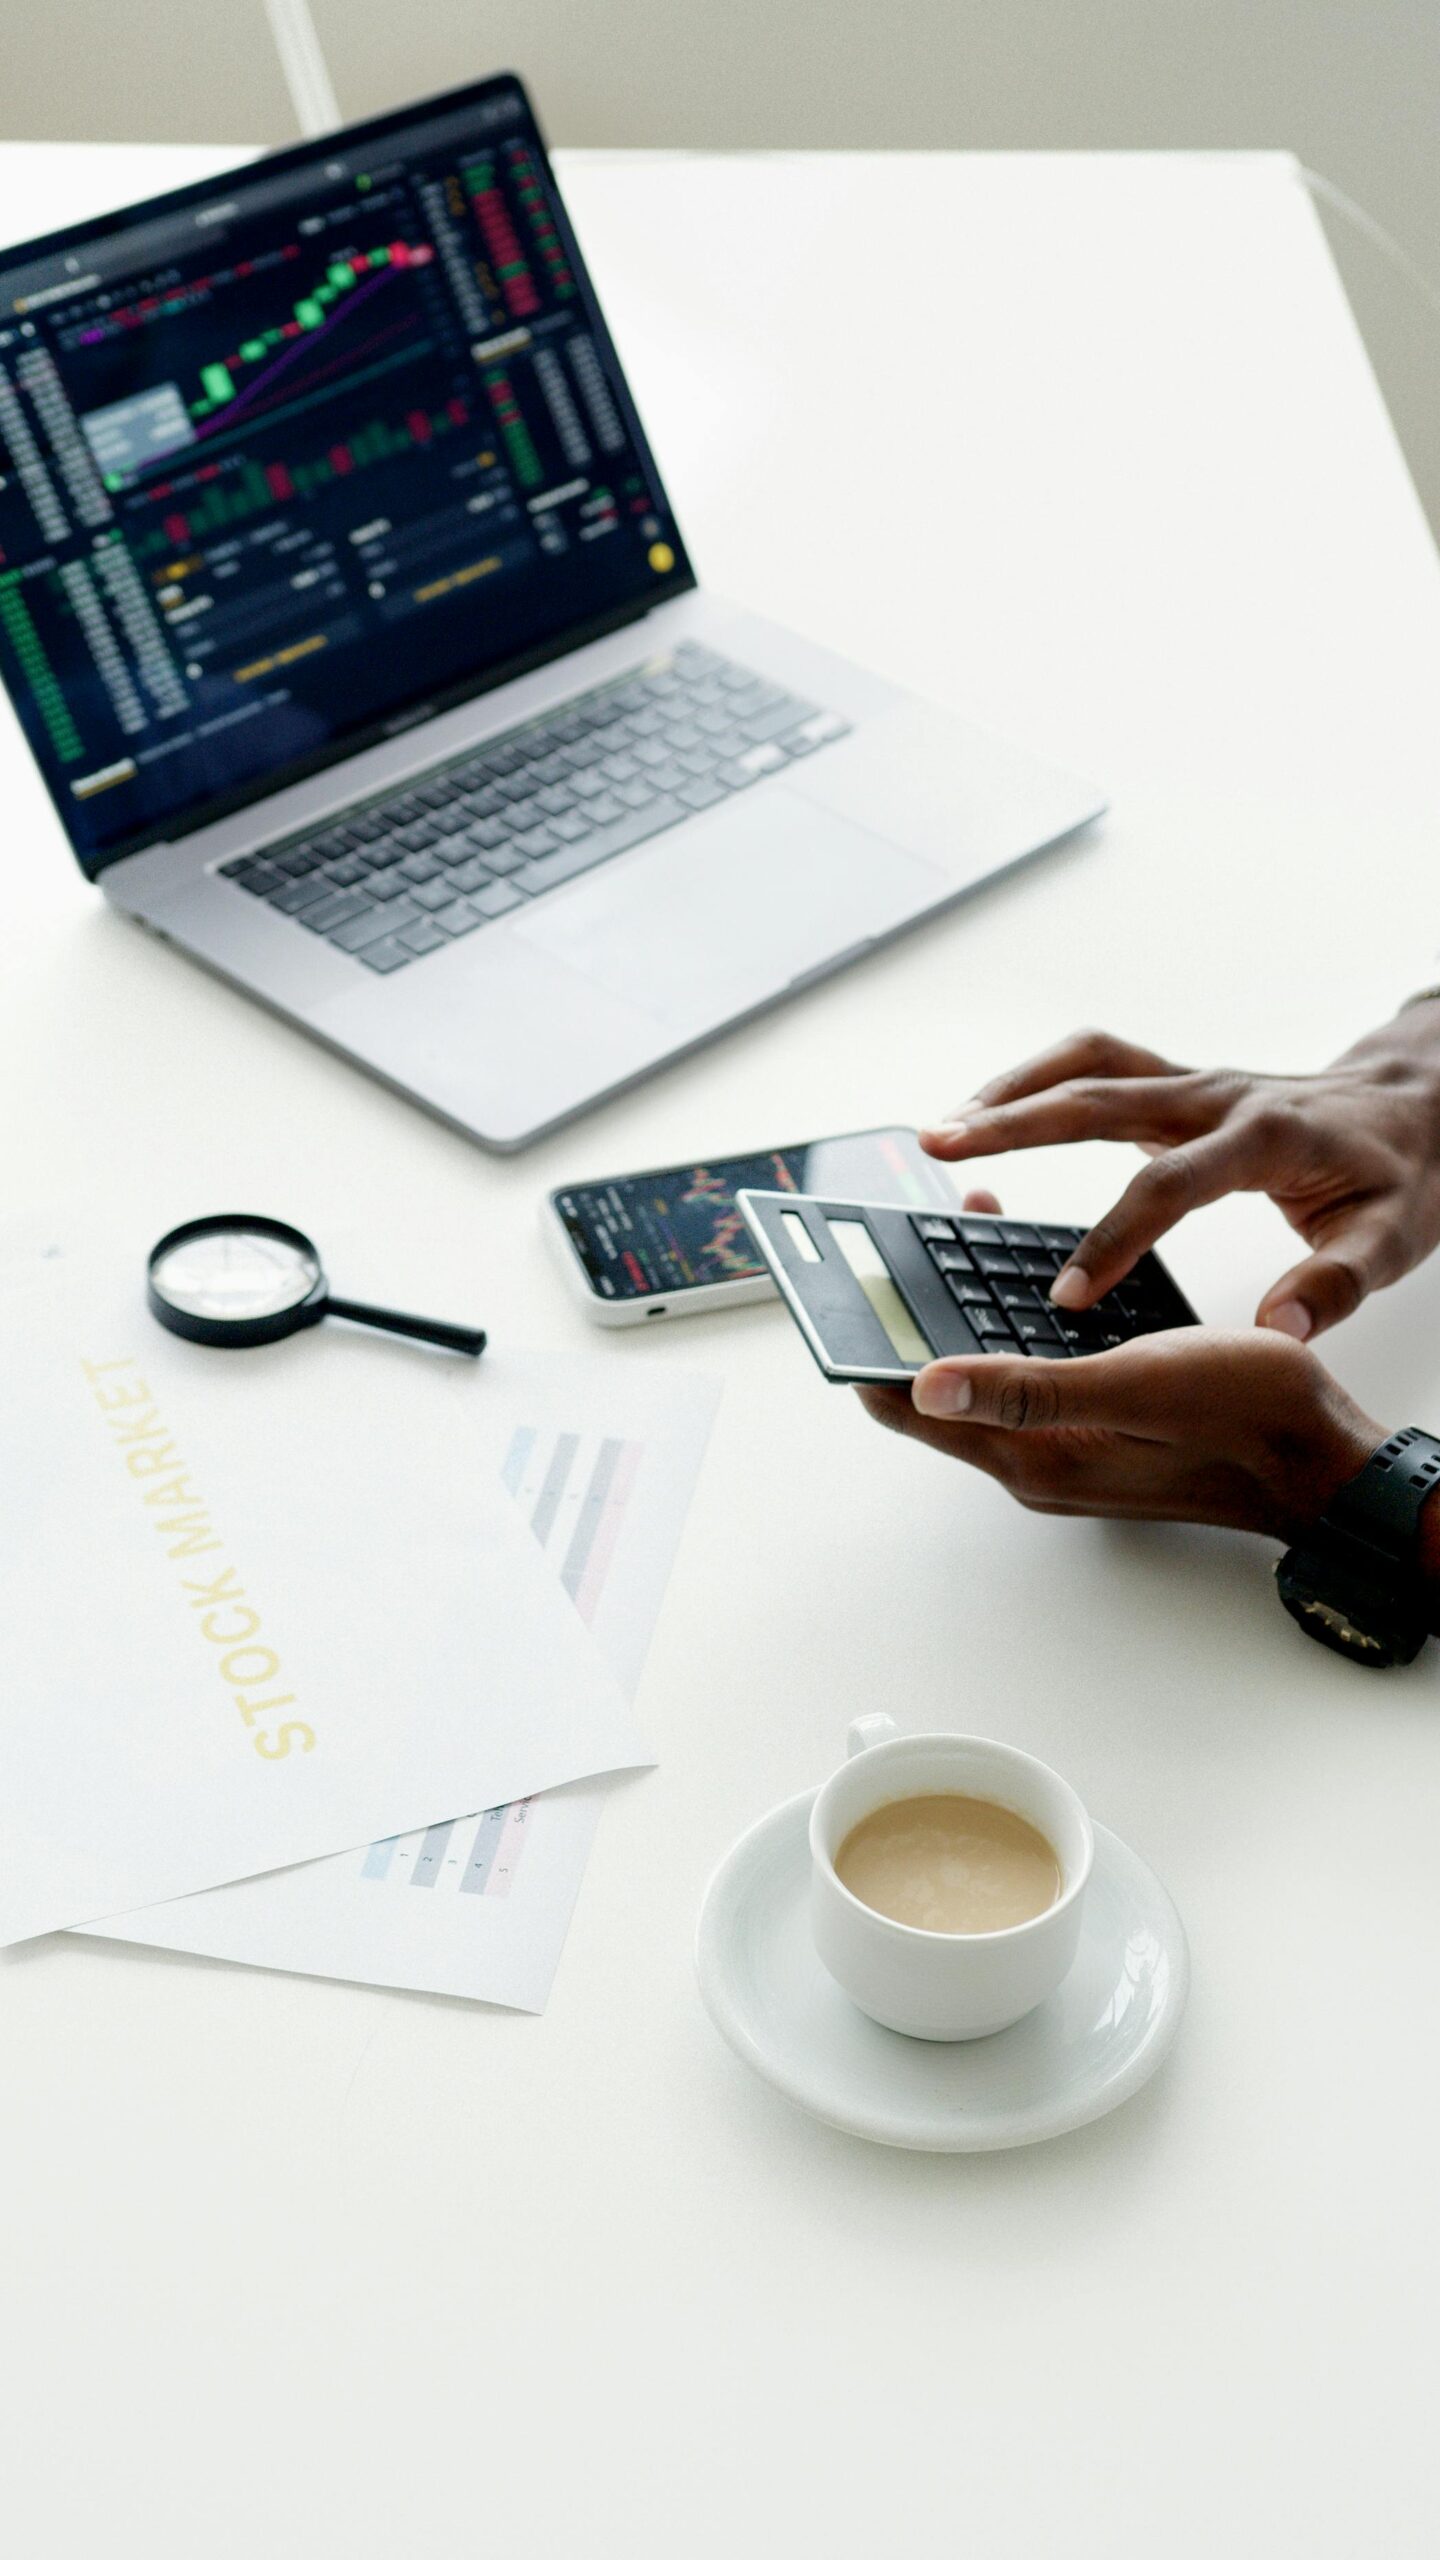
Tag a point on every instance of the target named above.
point(651, 1233)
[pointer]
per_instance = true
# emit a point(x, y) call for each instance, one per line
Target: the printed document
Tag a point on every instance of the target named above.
point(262, 1606)
point(599, 1458)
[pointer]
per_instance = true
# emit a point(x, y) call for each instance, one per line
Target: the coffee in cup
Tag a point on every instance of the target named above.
point(958, 1864)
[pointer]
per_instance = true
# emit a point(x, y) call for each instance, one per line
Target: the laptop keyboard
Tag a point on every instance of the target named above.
point(999, 1271)
point(406, 874)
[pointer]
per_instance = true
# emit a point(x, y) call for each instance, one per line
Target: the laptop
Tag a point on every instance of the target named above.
point(350, 624)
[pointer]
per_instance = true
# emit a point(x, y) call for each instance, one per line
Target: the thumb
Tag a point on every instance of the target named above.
point(1121, 1390)
point(1329, 1286)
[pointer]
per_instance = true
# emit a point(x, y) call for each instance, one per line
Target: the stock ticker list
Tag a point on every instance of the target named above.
point(334, 455)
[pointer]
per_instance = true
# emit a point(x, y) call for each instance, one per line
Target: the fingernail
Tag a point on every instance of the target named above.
point(962, 1115)
point(941, 1393)
point(1069, 1288)
point(1290, 1317)
point(945, 1130)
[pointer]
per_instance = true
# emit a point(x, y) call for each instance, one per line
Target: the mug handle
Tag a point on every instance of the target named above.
point(866, 1731)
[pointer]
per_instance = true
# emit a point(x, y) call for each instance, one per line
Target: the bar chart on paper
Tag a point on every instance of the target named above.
point(573, 1488)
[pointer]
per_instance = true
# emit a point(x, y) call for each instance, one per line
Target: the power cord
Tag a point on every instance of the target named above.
point(1325, 191)
point(302, 59)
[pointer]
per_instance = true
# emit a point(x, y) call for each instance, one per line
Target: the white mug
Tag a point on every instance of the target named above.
point(925, 1982)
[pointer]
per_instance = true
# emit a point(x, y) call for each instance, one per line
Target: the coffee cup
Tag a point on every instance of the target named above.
point(945, 1985)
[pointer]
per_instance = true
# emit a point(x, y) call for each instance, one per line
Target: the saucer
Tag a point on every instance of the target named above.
point(1082, 2052)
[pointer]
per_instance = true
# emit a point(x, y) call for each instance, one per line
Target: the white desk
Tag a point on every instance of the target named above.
point(1090, 447)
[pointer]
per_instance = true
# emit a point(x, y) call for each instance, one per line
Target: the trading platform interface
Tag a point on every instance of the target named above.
point(278, 463)
point(681, 1229)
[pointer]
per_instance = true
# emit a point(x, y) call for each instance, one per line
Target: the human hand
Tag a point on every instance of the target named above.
point(1351, 1156)
point(1245, 1430)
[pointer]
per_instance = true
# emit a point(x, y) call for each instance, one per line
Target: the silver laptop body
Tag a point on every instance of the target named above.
point(524, 889)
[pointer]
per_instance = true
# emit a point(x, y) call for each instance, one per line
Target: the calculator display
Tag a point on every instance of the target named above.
point(872, 1271)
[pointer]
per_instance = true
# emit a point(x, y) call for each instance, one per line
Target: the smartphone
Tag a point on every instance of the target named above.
point(673, 1242)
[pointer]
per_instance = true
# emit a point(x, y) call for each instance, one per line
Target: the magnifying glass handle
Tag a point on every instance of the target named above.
point(450, 1337)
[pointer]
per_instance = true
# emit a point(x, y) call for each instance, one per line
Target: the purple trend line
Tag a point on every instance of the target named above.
point(301, 347)
point(367, 346)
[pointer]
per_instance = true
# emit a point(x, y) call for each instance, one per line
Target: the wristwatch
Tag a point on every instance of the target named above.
point(1355, 1583)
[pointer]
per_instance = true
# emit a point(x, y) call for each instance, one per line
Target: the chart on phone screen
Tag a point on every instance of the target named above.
point(602, 1461)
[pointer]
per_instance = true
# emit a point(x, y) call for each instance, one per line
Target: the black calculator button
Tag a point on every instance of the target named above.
point(934, 1230)
point(1011, 1234)
point(1011, 1294)
point(988, 1322)
point(1063, 1239)
point(968, 1293)
point(1083, 1332)
point(1038, 1266)
point(950, 1257)
point(986, 1345)
point(976, 1230)
point(997, 1266)
point(1166, 1303)
point(1033, 1327)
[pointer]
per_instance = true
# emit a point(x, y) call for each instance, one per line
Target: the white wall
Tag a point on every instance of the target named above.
point(1350, 85)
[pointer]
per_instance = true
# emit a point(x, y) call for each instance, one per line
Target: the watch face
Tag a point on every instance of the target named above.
point(1321, 1618)
point(1349, 1610)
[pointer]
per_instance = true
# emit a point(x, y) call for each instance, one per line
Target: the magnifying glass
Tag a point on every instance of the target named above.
point(238, 1281)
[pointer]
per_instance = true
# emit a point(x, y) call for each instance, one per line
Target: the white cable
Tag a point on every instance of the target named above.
point(302, 59)
point(1325, 190)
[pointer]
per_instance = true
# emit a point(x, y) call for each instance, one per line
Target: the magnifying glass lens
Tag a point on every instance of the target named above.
point(235, 1276)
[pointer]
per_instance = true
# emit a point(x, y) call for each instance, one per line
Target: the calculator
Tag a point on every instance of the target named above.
point(878, 1291)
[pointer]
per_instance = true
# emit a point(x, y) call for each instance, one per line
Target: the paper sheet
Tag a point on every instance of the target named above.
point(261, 1606)
point(599, 1460)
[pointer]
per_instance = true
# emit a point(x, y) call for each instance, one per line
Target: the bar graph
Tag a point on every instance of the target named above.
point(574, 1489)
point(227, 494)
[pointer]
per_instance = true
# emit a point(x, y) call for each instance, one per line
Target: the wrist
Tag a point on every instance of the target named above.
point(1339, 1452)
point(1405, 1050)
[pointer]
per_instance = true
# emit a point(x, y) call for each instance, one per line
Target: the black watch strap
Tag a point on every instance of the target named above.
point(1355, 1583)
point(1382, 1504)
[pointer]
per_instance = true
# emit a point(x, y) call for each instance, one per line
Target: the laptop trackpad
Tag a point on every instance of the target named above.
point(718, 915)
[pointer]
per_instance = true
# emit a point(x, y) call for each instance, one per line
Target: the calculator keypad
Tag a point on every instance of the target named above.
point(999, 1271)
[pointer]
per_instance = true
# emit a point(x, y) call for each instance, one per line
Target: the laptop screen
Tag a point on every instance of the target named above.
point(290, 460)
